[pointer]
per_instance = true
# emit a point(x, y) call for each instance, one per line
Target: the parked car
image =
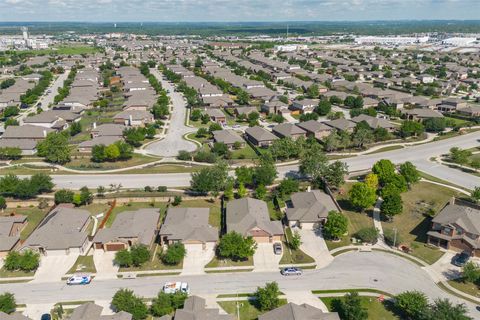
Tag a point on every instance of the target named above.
point(79, 280)
point(46, 316)
point(461, 259)
point(172, 287)
point(292, 271)
point(277, 248)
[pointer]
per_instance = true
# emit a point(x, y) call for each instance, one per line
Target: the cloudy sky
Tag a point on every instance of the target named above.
point(235, 10)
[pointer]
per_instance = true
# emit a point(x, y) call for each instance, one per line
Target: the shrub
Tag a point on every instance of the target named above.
point(368, 235)
point(174, 254)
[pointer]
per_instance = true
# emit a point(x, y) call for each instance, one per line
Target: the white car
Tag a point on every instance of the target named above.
point(79, 280)
point(173, 287)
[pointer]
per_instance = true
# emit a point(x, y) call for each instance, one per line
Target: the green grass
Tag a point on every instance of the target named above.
point(385, 149)
point(84, 163)
point(164, 168)
point(84, 264)
point(244, 153)
point(247, 310)
point(351, 290)
point(64, 50)
point(215, 210)
point(291, 256)
point(465, 286)
point(464, 297)
point(273, 212)
point(376, 310)
point(34, 216)
point(153, 264)
point(414, 221)
point(216, 263)
point(96, 208)
point(4, 273)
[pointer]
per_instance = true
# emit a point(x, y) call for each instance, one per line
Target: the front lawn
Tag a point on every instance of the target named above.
point(155, 263)
point(220, 263)
point(4, 273)
point(376, 310)
point(247, 309)
point(84, 162)
point(465, 286)
point(83, 264)
point(419, 204)
point(244, 153)
point(291, 256)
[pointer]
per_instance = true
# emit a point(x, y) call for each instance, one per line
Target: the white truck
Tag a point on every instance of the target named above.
point(173, 287)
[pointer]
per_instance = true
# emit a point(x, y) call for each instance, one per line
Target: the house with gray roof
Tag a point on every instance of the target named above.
point(341, 124)
point(374, 122)
point(216, 115)
point(26, 132)
point(107, 130)
point(250, 217)
point(92, 311)
point(134, 118)
point(315, 129)
point(13, 316)
point(419, 114)
point(289, 130)
point(308, 210)
point(457, 227)
point(87, 146)
point(292, 311)
point(129, 228)
point(260, 136)
point(195, 308)
point(10, 229)
point(228, 137)
point(27, 146)
point(62, 231)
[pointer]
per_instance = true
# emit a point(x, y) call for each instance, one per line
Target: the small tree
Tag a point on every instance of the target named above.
point(3, 203)
point(385, 170)
point(336, 225)
point(126, 300)
point(471, 272)
point(228, 193)
point(410, 173)
point(287, 186)
point(165, 304)
point(7, 303)
point(367, 235)
point(123, 258)
point(63, 196)
point(241, 191)
point(350, 308)
point(371, 180)
point(234, 246)
point(361, 196)
point(268, 298)
point(392, 205)
point(295, 241)
point(174, 254)
point(140, 254)
point(260, 192)
point(413, 304)
point(177, 200)
point(443, 309)
point(475, 195)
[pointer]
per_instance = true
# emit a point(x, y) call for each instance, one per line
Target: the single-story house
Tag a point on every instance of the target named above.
point(315, 129)
point(292, 311)
point(13, 316)
point(470, 110)
point(421, 114)
point(195, 308)
point(274, 107)
point(216, 115)
point(305, 105)
point(107, 129)
point(373, 122)
point(244, 110)
point(134, 118)
point(10, 228)
point(87, 146)
point(289, 130)
point(26, 132)
point(308, 210)
point(92, 311)
point(250, 217)
point(129, 228)
point(27, 146)
point(188, 226)
point(229, 138)
point(259, 136)
point(341, 124)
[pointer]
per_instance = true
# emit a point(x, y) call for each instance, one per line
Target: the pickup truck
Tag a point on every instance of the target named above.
point(174, 287)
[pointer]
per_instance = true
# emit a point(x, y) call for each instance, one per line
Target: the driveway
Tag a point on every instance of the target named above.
point(173, 141)
point(304, 296)
point(314, 245)
point(35, 311)
point(106, 269)
point(265, 259)
point(53, 268)
point(197, 258)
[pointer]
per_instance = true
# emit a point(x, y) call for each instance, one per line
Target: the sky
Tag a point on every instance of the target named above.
point(236, 10)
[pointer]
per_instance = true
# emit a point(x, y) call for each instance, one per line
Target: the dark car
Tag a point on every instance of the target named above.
point(46, 316)
point(461, 259)
point(291, 271)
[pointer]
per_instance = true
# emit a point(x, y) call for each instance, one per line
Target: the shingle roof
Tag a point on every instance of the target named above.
point(466, 217)
point(260, 134)
point(91, 311)
point(292, 311)
point(195, 309)
point(26, 132)
point(287, 130)
point(186, 224)
point(13, 316)
point(373, 122)
point(226, 136)
point(310, 206)
point(314, 126)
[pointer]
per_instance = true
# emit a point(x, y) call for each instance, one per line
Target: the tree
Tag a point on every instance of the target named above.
point(435, 124)
point(7, 303)
point(460, 156)
point(177, 200)
point(443, 309)
point(475, 194)
point(265, 172)
point(287, 186)
point(413, 304)
point(367, 235)
point(260, 192)
point(336, 225)
point(313, 91)
point(295, 241)
point(26, 261)
point(392, 205)
point(75, 128)
point(125, 300)
point(244, 175)
point(98, 153)
point(54, 148)
point(471, 272)
point(371, 180)
point(361, 196)
point(140, 254)
point(268, 297)
point(184, 155)
point(228, 193)
point(335, 174)
point(313, 162)
point(123, 258)
point(350, 308)
point(411, 128)
point(86, 197)
point(241, 191)
point(361, 137)
point(324, 107)
point(63, 196)
point(10, 153)
point(174, 254)
point(210, 179)
point(385, 170)
point(235, 247)
point(165, 304)
point(3, 203)
point(112, 152)
point(332, 142)
point(409, 172)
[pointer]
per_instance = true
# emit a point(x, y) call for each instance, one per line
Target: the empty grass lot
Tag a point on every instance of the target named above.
point(414, 221)
point(84, 163)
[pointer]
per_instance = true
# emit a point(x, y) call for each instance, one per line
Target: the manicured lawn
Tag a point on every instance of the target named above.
point(467, 287)
point(291, 256)
point(245, 153)
point(164, 168)
point(34, 216)
point(83, 264)
point(96, 208)
point(272, 210)
point(13, 274)
point(376, 310)
point(154, 264)
point(193, 136)
point(215, 210)
point(424, 199)
point(216, 263)
point(84, 163)
point(247, 310)
point(385, 149)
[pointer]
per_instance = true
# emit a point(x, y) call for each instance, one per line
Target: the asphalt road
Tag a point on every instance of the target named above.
point(173, 142)
point(352, 270)
point(418, 154)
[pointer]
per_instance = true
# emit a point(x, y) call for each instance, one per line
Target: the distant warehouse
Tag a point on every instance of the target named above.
point(390, 40)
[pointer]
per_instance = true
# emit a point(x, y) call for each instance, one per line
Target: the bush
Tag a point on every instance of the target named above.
point(177, 200)
point(125, 300)
point(162, 189)
point(63, 196)
point(7, 303)
point(390, 237)
point(140, 255)
point(234, 246)
point(165, 304)
point(174, 254)
point(267, 298)
point(184, 155)
point(367, 235)
point(26, 261)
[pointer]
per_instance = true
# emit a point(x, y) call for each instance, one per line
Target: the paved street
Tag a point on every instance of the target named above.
point(351, 270)
point(173, 141)
point(418, 154)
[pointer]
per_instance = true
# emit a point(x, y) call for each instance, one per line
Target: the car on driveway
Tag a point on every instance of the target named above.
point(79, 280)
point(461, 259)
point(46, 316)
point(277, 248)
point(292, 271)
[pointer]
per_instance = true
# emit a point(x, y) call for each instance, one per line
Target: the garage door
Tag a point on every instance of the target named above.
point(262, 239)
point(114, 247)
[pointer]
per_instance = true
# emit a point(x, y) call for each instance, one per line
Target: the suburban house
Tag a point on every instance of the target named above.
point(54, 119)
point(292, 311)
point(457, 227)
point(304, 106)
point(195, 308)
point(188, 226)
point(62, 231)
point(107, 129)
point(229, 138)
point(470, 110)
point(10, 228)
point(244, 110)
point(315, 129)
point(13, 316)
point(26, 132)
point(373, 122)
point(134, 118)
point(216, 115)
point(92, 311)
point(309, 210)
point(274, 106)
point(87, 146)
point(421, 114)
point(28, 147)
point(289, 130)
point(250, 217)
point(259, 136)
point(341, 124)
point(129, 228)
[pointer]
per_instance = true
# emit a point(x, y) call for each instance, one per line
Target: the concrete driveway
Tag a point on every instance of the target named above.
point(35, 311)
point(305, 296)
point(53, 268)
point(197, 257)
point(265, 259)
point(314, 245)
point(106, 269)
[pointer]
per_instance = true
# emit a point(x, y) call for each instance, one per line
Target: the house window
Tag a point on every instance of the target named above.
point(447, 230)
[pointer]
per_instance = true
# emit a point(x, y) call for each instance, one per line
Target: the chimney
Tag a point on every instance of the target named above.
point(44, 133)
point(94, 125)
point(309, 189)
